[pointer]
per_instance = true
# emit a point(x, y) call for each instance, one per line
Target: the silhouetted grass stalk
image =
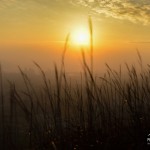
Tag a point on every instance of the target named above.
point(108, 112)
point(2, 107)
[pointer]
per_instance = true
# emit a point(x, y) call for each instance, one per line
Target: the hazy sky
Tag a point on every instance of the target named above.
point(36, 30)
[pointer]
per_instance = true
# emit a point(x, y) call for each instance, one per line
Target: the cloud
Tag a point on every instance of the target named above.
point(37, 9)
point(25, 5)
point(133, 10)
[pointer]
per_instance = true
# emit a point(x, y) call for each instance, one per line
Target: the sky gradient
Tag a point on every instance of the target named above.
point(36, 30)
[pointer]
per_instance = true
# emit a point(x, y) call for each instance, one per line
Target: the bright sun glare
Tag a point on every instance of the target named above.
point(80, 37)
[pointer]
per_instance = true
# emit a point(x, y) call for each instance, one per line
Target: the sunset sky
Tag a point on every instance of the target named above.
point(35, 30)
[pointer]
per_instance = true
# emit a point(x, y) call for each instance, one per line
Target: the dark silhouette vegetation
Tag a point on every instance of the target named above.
point(95, 112)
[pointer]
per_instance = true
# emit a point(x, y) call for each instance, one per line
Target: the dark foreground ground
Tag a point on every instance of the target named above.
point(89, 113)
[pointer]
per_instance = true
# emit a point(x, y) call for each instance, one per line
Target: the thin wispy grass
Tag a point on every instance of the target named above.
point(2, 108)
point(95, 112)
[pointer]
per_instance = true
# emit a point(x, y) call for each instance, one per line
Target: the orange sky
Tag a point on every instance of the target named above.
point(36, 30)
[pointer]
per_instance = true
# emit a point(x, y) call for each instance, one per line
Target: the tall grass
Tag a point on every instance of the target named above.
point(96, 112)
point(2, 109)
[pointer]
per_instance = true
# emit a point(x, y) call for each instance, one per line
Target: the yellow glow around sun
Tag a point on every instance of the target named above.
point(81, 37)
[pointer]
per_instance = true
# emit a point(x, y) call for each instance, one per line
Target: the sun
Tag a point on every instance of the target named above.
point(81, 37)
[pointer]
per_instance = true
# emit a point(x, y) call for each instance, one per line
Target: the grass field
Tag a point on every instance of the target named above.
point(92, 112)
